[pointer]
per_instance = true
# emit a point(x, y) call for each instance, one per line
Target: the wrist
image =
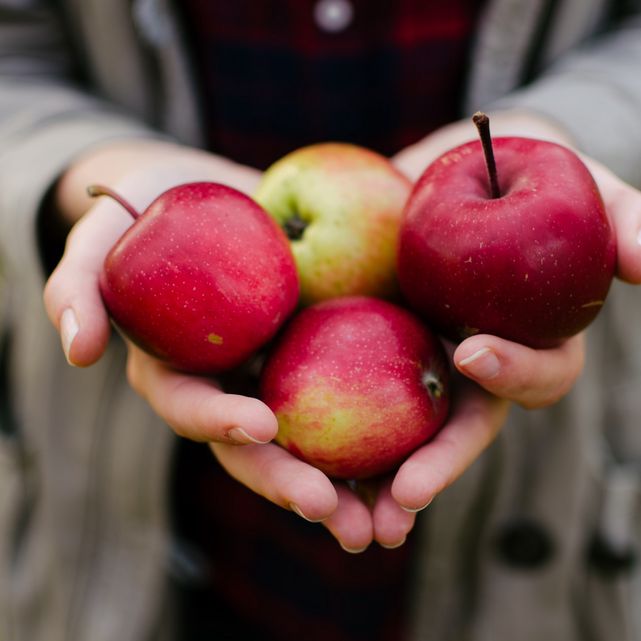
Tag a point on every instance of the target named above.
point(147, 167)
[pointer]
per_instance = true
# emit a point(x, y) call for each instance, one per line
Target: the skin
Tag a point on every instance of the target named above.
point(196, 408)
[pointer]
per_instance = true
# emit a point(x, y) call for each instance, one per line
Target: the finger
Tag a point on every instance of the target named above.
point(623, 204)
point(473, 425)
point(195, 407)
point(392, 524)
point(530, 377)
point(351, 523)
point(72, 295)
point(272, 472)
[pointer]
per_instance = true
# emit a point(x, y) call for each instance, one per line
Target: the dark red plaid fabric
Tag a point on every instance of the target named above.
point(273, 81)
point(269, 575)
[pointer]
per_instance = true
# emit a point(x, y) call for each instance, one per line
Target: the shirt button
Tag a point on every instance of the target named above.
point(333, 16)
point(524, 544)
point(610, 560)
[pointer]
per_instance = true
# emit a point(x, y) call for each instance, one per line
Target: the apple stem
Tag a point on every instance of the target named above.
point(295, 227)
point(100, 190)
point(482, 123)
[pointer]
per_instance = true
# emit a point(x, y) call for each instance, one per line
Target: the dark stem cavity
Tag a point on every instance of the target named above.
point(482, 123)
point(295, 227)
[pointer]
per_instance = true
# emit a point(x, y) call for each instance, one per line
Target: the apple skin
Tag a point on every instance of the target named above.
point(356, 384)
point(533, 266)
point(202, 279)
point(350, 200)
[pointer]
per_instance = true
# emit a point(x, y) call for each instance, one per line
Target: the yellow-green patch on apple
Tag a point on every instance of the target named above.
point(340, 206)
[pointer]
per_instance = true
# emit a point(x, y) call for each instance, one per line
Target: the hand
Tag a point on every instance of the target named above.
point(355, 514)
point(195, 407)
point(382, 510)
point(533, 378)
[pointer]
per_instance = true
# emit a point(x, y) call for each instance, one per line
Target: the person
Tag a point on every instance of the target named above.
point(534, 530)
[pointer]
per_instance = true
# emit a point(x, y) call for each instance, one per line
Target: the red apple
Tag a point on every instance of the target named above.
point(357, 384)
point(528, 256)
point(341, 207)
point(202, 279)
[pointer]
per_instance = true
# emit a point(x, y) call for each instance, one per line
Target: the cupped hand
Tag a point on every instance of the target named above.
point(384, 509)
point(498, 371)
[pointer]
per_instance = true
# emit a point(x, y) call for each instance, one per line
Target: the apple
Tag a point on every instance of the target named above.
point(510, 239)
point(341, 206)
point(357, 384)
point(202, 279)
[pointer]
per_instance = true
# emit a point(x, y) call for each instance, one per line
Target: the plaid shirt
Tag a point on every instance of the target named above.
point(272, 80)
point(268, 574)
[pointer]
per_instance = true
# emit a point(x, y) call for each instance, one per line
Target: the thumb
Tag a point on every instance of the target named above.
point(72, 294)
point(623, 204)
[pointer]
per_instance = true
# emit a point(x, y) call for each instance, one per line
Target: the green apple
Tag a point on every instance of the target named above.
point(340, 205)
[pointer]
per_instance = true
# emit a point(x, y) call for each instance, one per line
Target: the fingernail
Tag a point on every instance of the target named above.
point(639, 237)
point(417, 509)
point(392, 546)
point(238, 435)
point(481, 365)
point(353, 550)
point(294, 508)
point(68, 330)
